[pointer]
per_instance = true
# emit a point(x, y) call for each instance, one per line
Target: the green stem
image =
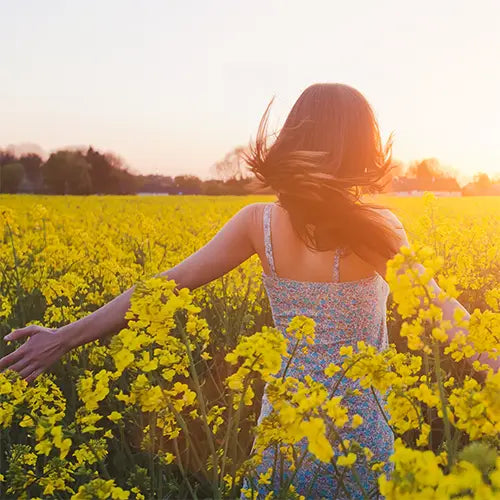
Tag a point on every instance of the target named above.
point(297, 467)
point(226, 443)
point(275, 460)
point(125, 445)
point(18, 279)
point(354, 471)
point(181, 468)
point(281, 470)
point(290, 359)
point(159, 486)
point(152, 427)
point(246, 384)
point(332, 392)
point(429, 416)
point(203, 407)
point(442, 397)
point(184, 427)
point(382, 410)
point(102, 465)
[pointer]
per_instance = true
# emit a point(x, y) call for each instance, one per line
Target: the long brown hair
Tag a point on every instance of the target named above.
point(326, 155)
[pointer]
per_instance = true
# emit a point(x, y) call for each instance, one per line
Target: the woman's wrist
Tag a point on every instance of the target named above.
point(107, 320)
point(69, 335)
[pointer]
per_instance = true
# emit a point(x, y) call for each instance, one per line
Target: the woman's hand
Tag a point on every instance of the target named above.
point(43, 347)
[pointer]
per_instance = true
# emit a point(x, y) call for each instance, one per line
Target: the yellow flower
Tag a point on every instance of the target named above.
point(44, 447)
point(423, 439)
point(167, 458)
point(331, 369)
point(75, 254)
point(346, 350)
point(265, 477)
point(115, 416)
point(346, 460)
point(27, 421)
point(336, 412)
point(123, 359)
point(357, 420)
point(314, 429)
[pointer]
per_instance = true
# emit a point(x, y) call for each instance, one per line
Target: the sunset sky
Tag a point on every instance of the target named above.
point(171, 86)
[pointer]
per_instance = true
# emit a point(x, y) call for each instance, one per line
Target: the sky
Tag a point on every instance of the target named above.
point(172, 86)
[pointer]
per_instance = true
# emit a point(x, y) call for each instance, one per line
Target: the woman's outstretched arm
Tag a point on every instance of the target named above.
point(231, 246)
point(448, 306)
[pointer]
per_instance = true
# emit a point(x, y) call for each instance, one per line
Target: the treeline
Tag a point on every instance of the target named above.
point(92, 172)
point(429, 175)
point(190, 184)
point(65, 172)
point(88, 171)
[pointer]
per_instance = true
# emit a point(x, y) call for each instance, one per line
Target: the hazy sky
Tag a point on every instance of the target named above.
point(171, 86)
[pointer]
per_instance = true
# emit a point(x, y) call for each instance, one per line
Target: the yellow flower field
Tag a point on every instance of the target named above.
point(167, 407)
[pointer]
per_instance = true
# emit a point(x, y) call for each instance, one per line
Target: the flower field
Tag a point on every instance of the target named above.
point(167, 407)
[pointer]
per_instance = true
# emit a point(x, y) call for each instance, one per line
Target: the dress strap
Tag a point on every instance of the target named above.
point(267, 238)
point(336, 264)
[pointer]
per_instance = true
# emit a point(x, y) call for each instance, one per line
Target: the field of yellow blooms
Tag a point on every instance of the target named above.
point(167, 407)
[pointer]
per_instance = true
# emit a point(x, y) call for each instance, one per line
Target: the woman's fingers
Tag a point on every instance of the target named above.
point(38, 352)
point(28, 370)
point(11, 358)
point(21, 365)
point(27, 331)
point(34, 374)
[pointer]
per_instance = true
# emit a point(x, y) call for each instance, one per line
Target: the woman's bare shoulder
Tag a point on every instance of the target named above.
point(253, 215)
point(391, 217)
point(394, 221)
point(254, 211)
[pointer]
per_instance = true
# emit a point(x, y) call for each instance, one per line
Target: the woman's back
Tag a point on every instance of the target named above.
point(345, 311)
point(294, 260)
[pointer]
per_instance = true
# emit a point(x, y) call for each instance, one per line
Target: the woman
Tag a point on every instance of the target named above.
point(324, 253)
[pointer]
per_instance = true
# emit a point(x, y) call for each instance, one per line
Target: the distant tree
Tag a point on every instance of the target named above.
point(232, 166)
point(431, 175)
point(425, 171)
point(101, 171)
point(32, 167)
point(116, 161)
point(214, 187)
point(109, 174)
point(482, 185)
point(482, 181)
point(79, 180)
point(67, 172)
point(238, 186)
point(188, 184)
point(156, 184)
point(6, 157)
point(123, 181)
point(54, 172)
point(11, 176)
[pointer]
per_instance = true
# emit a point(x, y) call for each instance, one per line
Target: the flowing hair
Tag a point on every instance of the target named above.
point(327, 155)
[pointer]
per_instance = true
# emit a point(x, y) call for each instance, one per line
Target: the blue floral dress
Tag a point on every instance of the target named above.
point(344, 312)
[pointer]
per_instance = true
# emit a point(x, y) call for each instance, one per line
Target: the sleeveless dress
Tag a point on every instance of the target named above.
point(344, 312)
